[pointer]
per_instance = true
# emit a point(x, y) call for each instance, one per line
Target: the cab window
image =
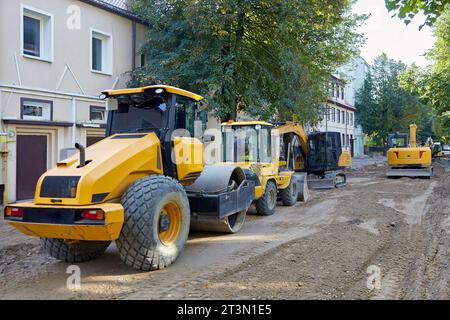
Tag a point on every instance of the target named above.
point(186, 114)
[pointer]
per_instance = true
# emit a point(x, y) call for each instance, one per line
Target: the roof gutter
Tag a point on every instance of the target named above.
point(46, 92)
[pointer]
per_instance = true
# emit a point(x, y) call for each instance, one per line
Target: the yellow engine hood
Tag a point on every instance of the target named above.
point(419, 156)
point(112, 165)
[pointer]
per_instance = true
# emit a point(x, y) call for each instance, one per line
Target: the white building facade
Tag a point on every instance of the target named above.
point(355, 73)
point(56, 57)
point(338, 115)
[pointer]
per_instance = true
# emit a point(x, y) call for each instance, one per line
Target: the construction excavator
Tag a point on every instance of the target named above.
point(319, 154)
point(405, 158)
point(438, 150)
point(143, 186)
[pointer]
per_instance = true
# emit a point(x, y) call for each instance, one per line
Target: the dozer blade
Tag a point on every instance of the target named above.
point(321, 183)
point(410, 172)
point(329, 180)
point(303, 188)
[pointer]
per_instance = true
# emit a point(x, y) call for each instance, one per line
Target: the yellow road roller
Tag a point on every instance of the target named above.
point(141, 186)
point(249, 145)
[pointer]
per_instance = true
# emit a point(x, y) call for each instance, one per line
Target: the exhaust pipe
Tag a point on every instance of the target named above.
point(82, 155)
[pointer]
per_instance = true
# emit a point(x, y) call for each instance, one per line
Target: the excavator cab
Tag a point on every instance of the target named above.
point(325, 151)
point(397, 140)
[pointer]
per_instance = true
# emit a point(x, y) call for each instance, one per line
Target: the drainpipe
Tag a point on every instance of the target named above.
point(133, 47)
point(74, 121)
point(346, 115)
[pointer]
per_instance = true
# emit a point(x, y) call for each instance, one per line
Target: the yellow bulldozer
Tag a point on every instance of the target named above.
point(141, 186)
point(405, 158)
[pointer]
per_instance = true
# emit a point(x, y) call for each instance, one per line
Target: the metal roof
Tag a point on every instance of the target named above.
point(121, 4)
point(118, 7)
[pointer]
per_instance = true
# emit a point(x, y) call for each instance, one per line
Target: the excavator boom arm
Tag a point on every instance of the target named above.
point(299, 131)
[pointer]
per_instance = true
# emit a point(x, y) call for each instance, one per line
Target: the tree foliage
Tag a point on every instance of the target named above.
point(407, 9)
point(383, 106)
point(264, 57)
point(432, 84)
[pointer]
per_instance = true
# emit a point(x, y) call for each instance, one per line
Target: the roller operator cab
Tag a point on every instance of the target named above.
point(406, 158)
point(250, 145)
point(144, 186)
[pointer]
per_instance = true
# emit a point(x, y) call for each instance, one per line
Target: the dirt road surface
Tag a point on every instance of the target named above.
point(325, 249)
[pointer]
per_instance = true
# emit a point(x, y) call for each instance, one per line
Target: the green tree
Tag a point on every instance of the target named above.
point(407, 9)
point(264, 57)
point(432, 84)
point(383, 106)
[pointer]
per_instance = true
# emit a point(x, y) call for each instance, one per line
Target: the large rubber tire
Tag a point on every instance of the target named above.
point(74, 251)
point(289, 195)
point(266, 205)
point(140, 244)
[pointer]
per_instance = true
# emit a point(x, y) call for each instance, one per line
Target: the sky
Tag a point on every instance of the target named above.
point(392, 36)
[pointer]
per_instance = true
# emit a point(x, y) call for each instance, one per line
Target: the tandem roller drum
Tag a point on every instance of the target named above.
point(231, 224)
point(216, 183)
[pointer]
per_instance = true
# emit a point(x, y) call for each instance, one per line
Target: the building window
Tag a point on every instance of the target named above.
point(37, 34)
point(338, 114)
point(327, 110)
point(40, 110)
point(343, 117)
point(333, 114)
point(101, 52)
point(97, 114)
point(342, 93)
point(351, 119)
